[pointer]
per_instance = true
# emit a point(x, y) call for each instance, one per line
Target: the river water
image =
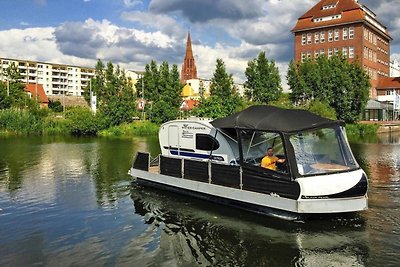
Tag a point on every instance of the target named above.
point(69, 202)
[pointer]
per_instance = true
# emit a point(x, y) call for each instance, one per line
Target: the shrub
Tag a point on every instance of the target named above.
point(81, 121)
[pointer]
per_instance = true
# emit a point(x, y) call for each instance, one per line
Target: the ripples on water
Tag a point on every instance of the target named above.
point(70, 202)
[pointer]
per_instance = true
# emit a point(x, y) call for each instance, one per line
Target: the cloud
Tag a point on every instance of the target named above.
point(132, 3)
point(164, 23)
point(23, 23)
point(205, 10)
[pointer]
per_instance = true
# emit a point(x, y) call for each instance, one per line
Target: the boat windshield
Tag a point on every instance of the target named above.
point(322, 151)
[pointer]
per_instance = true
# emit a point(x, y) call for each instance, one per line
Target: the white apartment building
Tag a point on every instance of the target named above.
point(57, 79)
point(394, 68)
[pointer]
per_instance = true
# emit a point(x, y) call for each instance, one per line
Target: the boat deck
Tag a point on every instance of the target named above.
point(154, 169)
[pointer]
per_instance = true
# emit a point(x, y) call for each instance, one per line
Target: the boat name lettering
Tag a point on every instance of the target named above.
point(187, 134)
point(188, 127)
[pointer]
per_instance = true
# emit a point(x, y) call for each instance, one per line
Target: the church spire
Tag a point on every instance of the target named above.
point(189, 70)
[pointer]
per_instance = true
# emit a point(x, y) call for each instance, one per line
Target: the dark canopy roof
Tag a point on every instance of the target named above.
point(273, 119)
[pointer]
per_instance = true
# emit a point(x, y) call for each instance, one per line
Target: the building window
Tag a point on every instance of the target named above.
point(330, 52)
point(336, 34)
point(351, 52)
point(316, 37)
point(365, 34)
point(370, 54)
point(336, 50)
point(330, 36)
point(351, 33)
point(344, 51)
point(321, 52)
point(365, 52)
point(303, 56)
point(308, 55)
point(316, 53)
point(303, 39)
point(322, 37)
point(374, 56)
point(344, 36)
point(309, 41)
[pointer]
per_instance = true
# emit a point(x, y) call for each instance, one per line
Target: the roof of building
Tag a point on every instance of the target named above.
point(388, 83)
point(263, 117)
point(189, 104)
point(187, 91)
point(373, 104)
point(349, 10)
point(33, 88)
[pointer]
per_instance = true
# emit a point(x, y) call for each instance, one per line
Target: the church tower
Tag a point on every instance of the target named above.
point(189, 70)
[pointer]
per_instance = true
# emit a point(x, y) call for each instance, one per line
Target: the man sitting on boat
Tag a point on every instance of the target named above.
point(270, 160)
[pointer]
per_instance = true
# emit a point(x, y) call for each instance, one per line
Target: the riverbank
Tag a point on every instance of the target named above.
point(77, 122)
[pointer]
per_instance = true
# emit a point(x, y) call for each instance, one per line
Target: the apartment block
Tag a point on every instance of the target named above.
point(56, 79)
point(344, 26)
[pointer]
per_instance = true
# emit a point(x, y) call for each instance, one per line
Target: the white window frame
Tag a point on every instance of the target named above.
point(351, 52)
point(316, 37)
point(344, 51)
point(309, 38)
point(303, 39)
point(330, 35)
point(344, 34)
point(351, 32)
point(336, 35)
point(330, 52)
point(322, 37)
point(321, 52)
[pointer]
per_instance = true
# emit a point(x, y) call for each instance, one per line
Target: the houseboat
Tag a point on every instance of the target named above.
point(224, 160)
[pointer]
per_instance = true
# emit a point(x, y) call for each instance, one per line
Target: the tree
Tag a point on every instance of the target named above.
point(114, 93)
point(162, 89)
point(335, 82)
point(263, 83)
point(12, 93)
point(224, 99)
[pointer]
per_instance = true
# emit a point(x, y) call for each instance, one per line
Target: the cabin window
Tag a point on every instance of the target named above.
point(322, 151)
point(255, 145)
point(206, 142)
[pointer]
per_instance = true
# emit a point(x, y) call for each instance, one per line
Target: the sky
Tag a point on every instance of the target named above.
point(131, 33)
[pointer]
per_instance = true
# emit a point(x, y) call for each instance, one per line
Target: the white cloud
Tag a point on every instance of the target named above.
point(132, 3)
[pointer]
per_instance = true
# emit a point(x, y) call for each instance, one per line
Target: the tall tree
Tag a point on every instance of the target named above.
point(342, 85)
point(263, 83)
point(162, 89)
point(224, 99)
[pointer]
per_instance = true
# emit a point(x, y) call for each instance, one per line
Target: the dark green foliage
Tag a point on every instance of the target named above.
point(55, 106)
point(161, 89)
point(224, 99)
point(335, 82)
point(114, 92)
point(12, 93)
point(81, 121)
point(263, 83)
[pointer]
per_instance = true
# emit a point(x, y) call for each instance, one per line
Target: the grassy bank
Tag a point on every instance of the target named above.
point(138, 128)
point(357, 131)
point(77, 121)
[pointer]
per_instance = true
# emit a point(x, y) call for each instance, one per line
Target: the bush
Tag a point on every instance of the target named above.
point(20, 122)
point(55, 106)
point(138, 128)
point(81, 121)
point(322, 109)
point(361, 130)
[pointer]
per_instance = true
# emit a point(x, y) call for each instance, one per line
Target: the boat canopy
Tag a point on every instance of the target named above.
point(270, 118)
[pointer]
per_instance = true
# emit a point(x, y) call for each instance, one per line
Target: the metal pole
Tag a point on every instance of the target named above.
point(8, 87)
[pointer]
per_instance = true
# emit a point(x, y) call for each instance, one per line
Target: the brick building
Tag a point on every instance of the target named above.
point(189, 70)
point(345, 26)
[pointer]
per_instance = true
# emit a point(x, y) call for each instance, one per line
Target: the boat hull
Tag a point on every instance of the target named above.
point(270, 204)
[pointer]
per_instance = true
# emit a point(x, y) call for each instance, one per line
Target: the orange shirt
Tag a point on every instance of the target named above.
point(269, 162)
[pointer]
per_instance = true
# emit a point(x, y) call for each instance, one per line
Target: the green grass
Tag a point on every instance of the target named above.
point(360, 131)
point(137, 128)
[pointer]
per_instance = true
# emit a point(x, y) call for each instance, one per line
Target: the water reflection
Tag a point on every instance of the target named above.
point(206, 234)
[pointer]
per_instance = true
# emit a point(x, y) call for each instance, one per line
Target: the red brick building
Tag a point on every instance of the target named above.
point(189, 70)
point(345, 26)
